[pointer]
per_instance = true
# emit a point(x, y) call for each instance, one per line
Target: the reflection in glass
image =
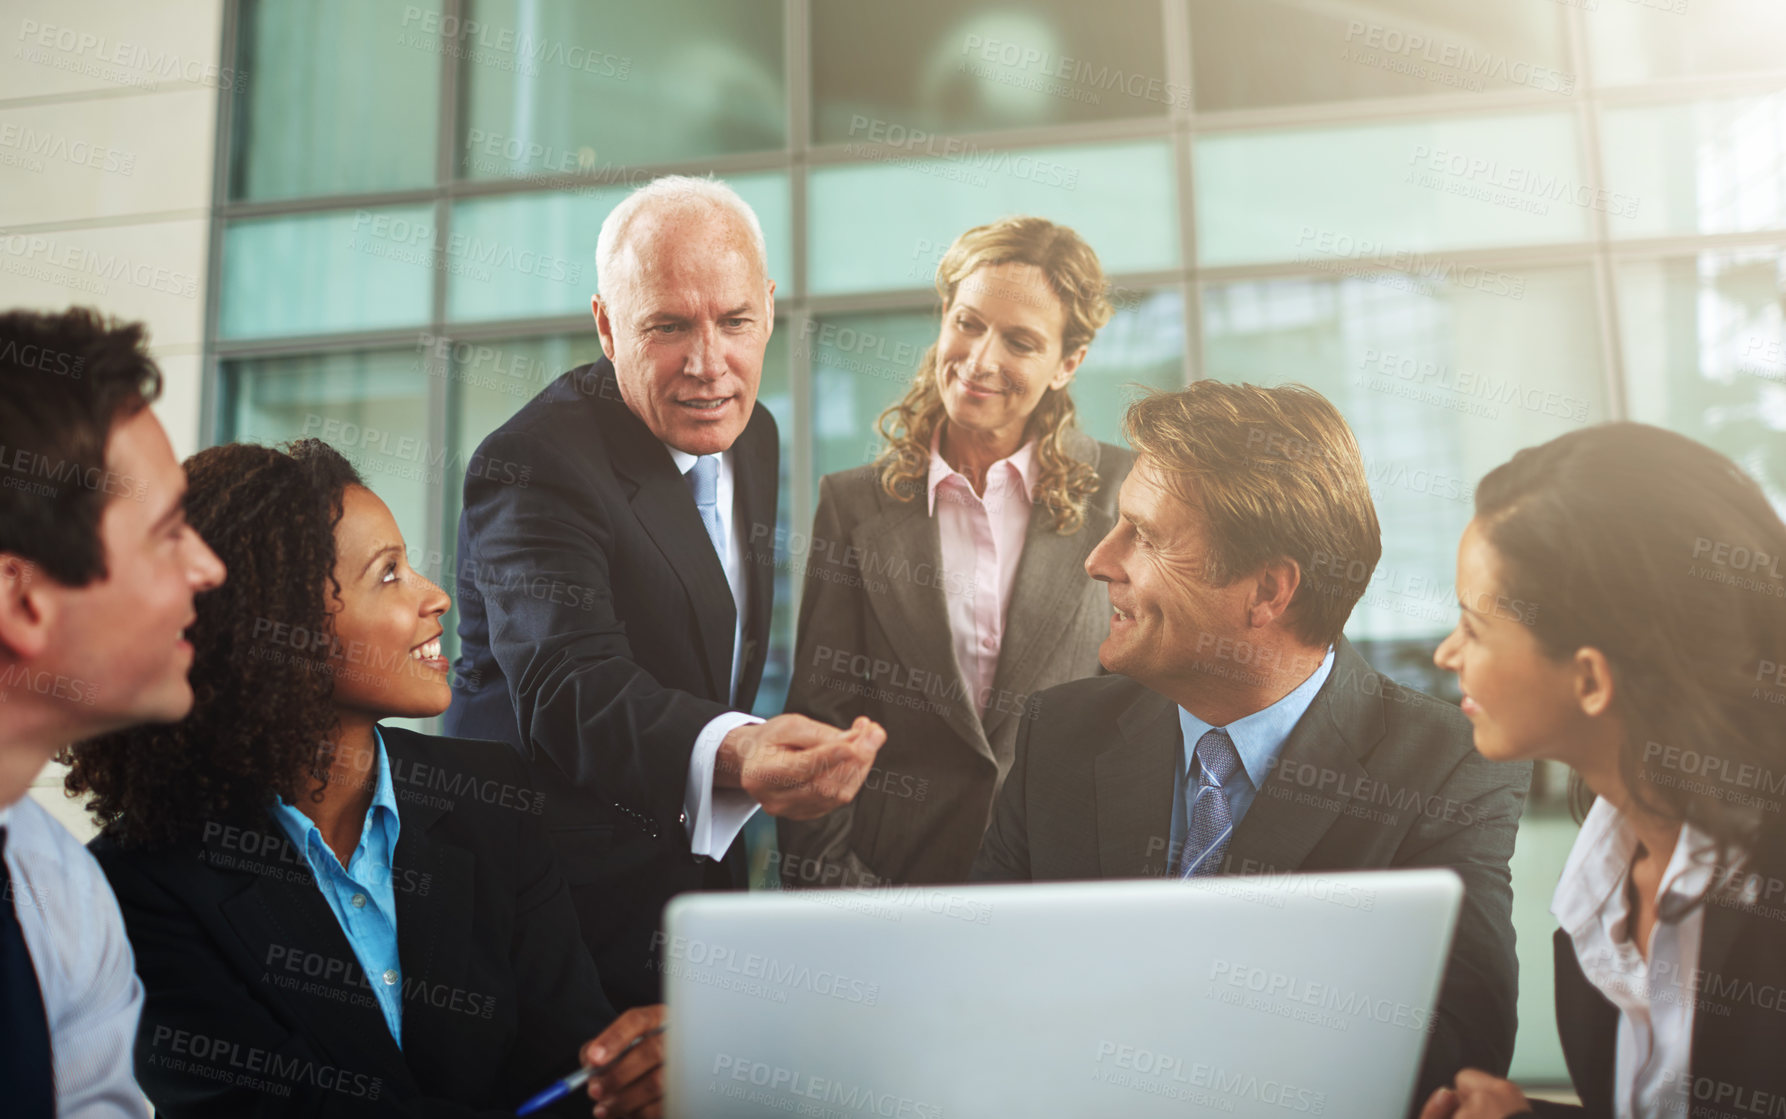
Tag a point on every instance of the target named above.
point(886, 225)
point(1250, 54)
point(603, 86)
point(310, 69)
point(1637, 42)
point(945, 67)
point(1351, 196)
point(1705, 354)
point(326, 273)
point(1702, 167)
point(372, 406)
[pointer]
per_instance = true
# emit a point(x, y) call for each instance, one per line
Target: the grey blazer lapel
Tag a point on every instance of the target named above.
point(1045, 594)
point(1134, 790)
point(901, 550)
point(1282, 826)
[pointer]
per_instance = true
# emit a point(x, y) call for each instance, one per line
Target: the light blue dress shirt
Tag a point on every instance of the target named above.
point(361, 894)
point(1258, 738)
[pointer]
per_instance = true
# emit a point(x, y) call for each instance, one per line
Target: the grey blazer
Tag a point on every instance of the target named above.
point(874, 640)
point(1373, 776)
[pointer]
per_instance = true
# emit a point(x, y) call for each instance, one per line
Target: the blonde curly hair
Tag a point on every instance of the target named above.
point(1063, 482)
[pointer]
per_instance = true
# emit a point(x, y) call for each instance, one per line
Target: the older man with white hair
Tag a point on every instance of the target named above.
point(615, 579)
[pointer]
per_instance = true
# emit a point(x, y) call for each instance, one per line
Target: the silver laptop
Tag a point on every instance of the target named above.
point(1274, 996)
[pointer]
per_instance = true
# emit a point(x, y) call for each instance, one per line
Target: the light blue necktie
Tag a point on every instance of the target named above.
point(1209, 825)
point(703, 482)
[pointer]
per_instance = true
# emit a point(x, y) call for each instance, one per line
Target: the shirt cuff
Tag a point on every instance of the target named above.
point(714, 817)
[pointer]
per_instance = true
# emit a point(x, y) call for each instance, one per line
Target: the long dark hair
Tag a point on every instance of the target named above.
point(262, 712)
point(1665, 556)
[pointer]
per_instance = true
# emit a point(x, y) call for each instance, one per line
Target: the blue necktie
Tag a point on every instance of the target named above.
point(1208, 823)
point(703, 482)
point(26, 1074)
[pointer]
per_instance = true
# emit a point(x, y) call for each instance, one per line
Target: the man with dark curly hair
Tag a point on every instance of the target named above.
point(97, 575)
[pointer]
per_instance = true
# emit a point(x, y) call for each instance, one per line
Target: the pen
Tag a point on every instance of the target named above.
point(575, 1080)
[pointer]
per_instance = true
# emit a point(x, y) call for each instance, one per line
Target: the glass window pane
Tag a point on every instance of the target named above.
point(372, 406)
point(1440, 384)
point(864, 363)
point(1705, 354)
point(339, 96)
point(529, 255)
point(875, 226)
point(629, 83)
point(1361, 194)
point(1637, 42)
point(1248, 54)
point(324, 273)
point(1705, 167)
point(942, 66)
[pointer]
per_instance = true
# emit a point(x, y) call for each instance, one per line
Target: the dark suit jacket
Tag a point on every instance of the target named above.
point(875, 640)
point(257, 1006)
point(1738, 1033)
point(595, 627)
point(1373, 775)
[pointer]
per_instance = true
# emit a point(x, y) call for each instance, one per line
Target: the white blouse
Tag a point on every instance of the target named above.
point(1656, 998)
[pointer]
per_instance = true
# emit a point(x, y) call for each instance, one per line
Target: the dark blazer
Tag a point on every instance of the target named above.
point(875, 640)
point(1738, 1034)
point(1373, 775)
point(595, 628)
point(257, 1006)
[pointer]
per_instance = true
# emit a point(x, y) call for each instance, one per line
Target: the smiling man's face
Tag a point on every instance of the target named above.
point(686, 324)
point(1168, 622)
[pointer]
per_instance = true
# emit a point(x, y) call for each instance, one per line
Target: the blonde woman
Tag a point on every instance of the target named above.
point(946, 580)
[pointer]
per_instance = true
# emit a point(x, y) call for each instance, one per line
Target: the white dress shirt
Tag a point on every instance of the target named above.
point(714, 817)
point(1655, 997)
point(85, 968)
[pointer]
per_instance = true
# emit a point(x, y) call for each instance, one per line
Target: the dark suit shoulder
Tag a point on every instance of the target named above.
point(857, 493)
point(1095, 701)
point(460, 777)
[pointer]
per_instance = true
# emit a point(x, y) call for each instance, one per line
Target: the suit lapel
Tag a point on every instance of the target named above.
point(901, 549)
point(1134, 790)
point(1045, 595)
point(665, 508)
point(281, 912)
point(1281, 828)
point(755, 459)
point(433, 880)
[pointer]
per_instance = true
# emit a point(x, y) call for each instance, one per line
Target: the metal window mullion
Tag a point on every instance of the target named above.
point(797, 68)
point(1175, 17)
point(211, 397)
point(1587, 124)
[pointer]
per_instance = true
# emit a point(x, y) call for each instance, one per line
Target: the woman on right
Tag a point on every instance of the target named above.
point(1623, 611)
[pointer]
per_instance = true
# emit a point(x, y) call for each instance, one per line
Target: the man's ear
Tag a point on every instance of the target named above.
point(1274, 588)
point(1594, 685)
point(27, 607)
point(604, 326)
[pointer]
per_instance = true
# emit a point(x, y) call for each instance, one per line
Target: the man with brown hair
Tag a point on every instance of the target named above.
point(98, 570)
point(1241, 732)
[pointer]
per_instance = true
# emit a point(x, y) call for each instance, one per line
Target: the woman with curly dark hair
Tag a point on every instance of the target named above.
point(1623, 595)
point(333, 917)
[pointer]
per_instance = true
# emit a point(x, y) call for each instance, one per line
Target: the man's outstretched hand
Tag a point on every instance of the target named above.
point(798, 767)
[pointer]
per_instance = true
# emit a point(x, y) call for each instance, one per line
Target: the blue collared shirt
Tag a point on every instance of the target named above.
point(362, 895)
point(1258, 738)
